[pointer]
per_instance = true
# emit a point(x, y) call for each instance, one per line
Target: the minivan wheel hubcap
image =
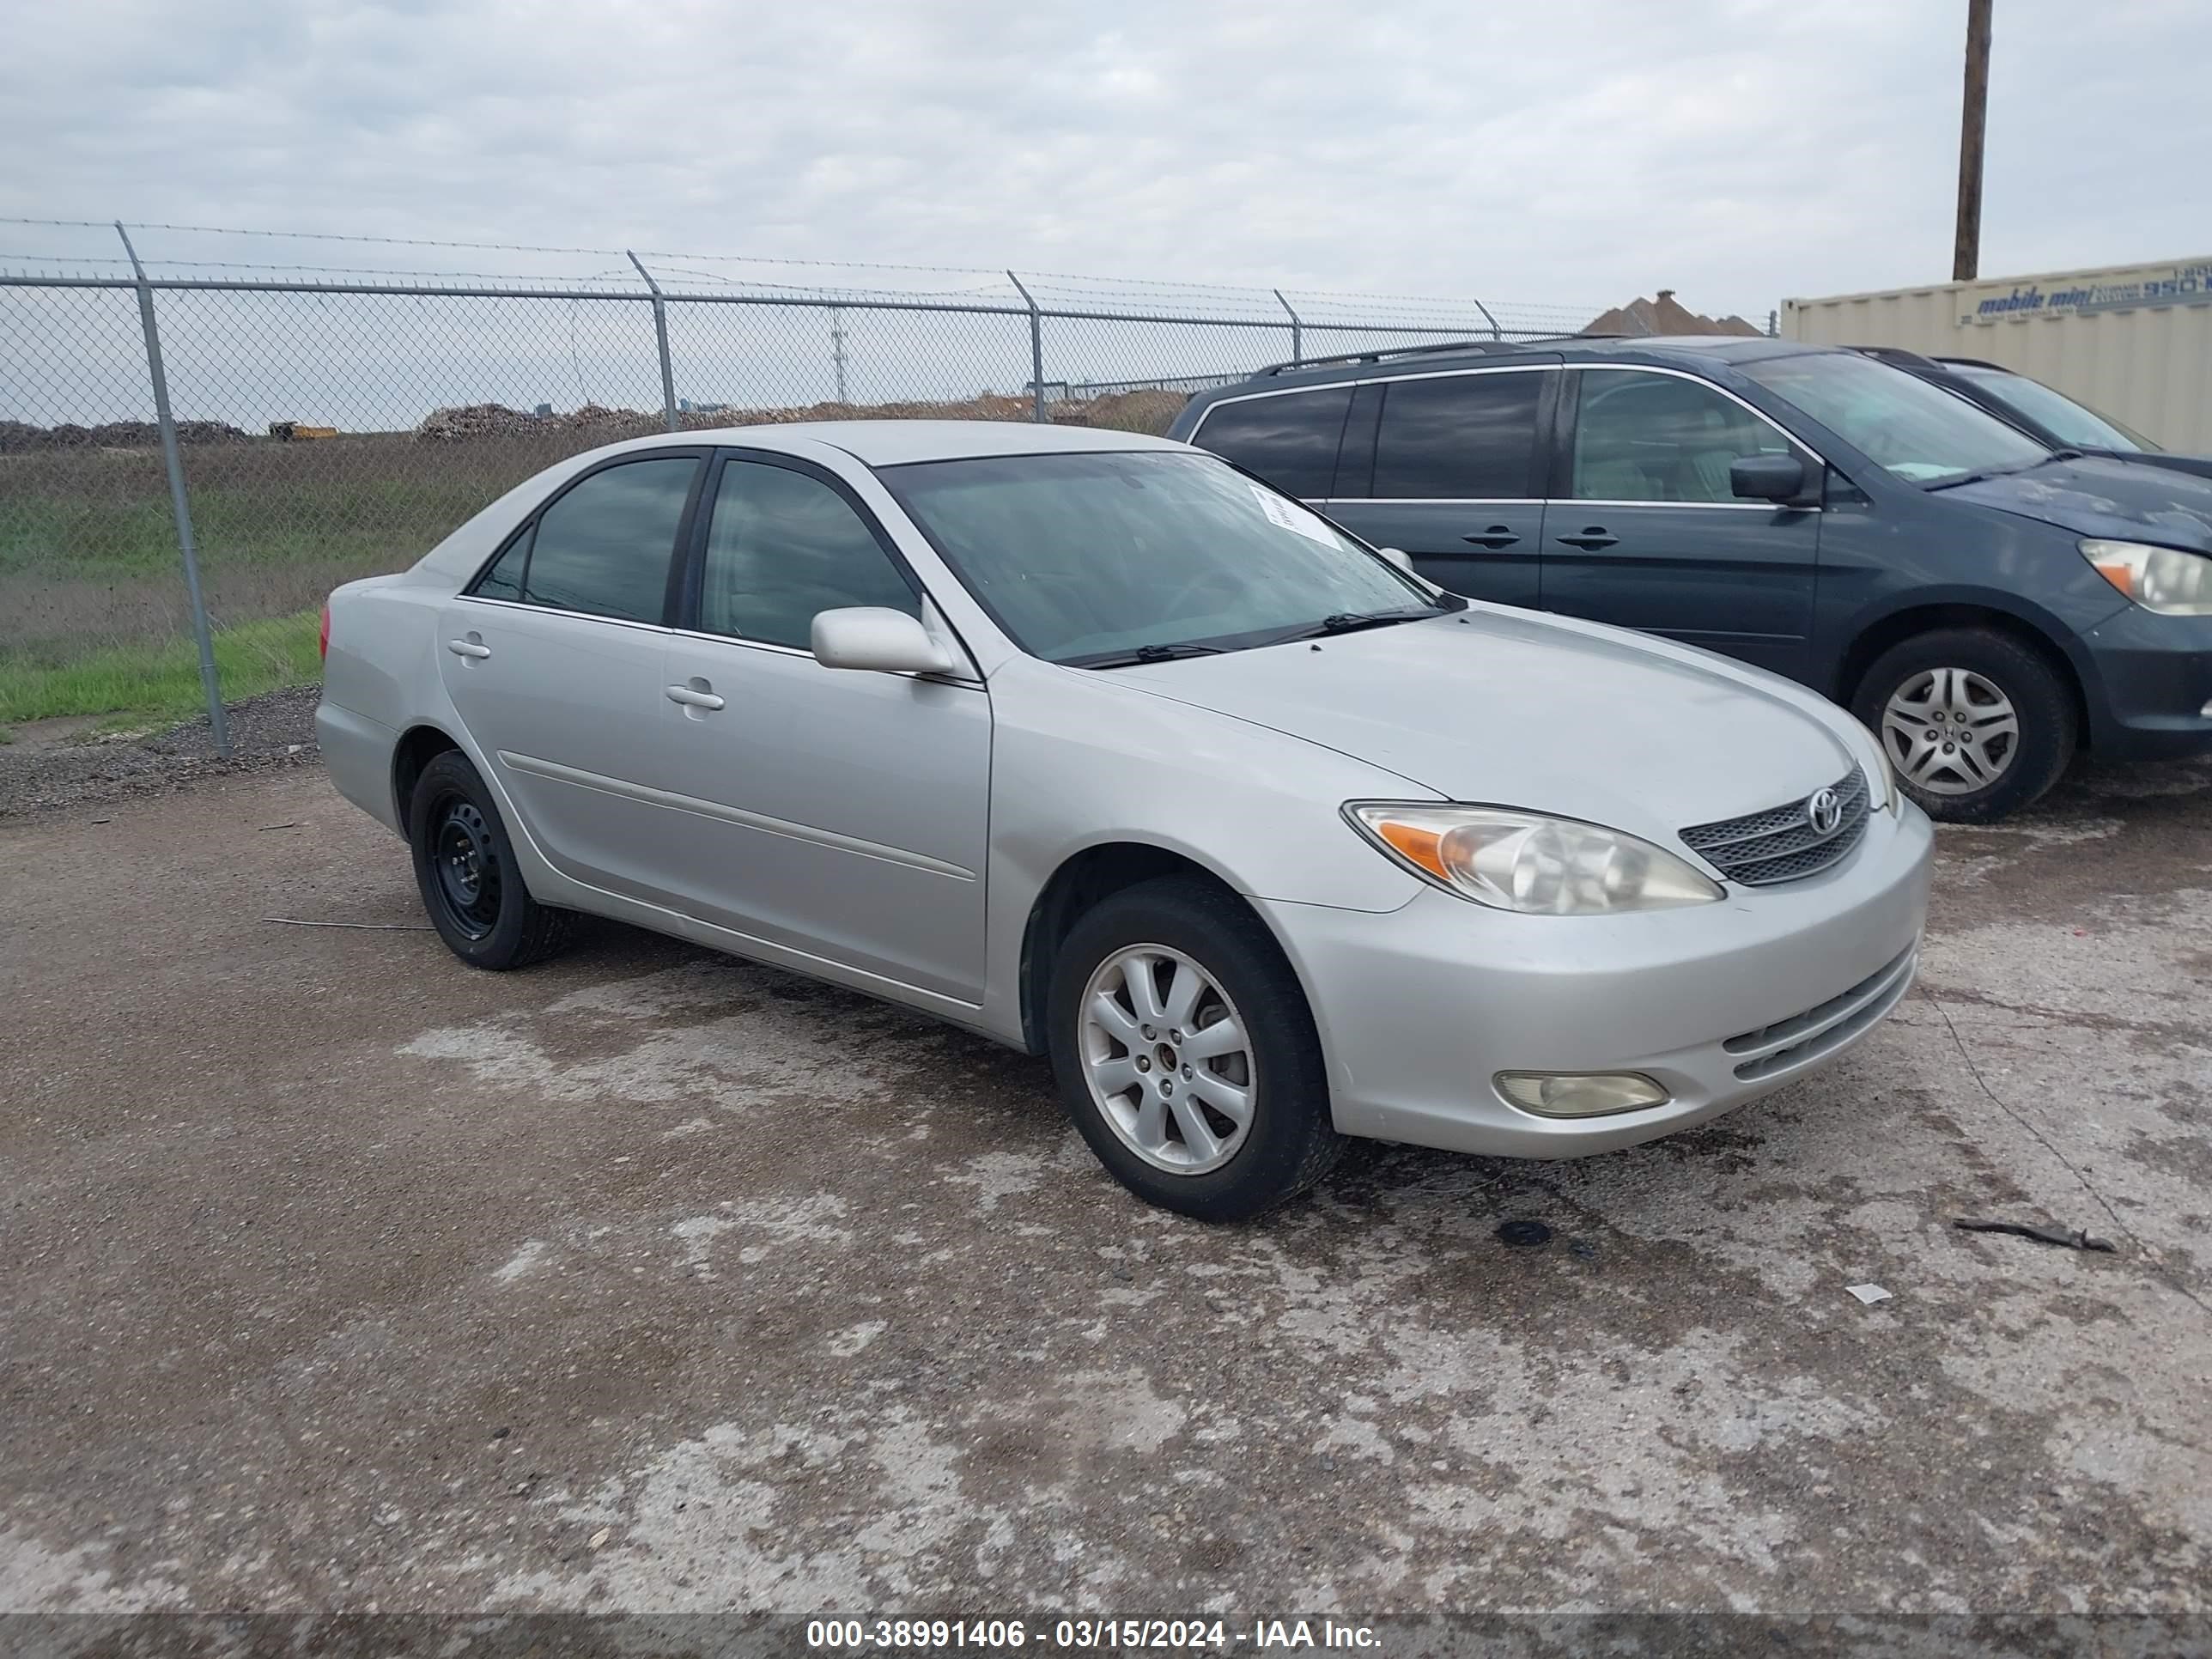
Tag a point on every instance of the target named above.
point(1950, 732)
point(1168, 1059)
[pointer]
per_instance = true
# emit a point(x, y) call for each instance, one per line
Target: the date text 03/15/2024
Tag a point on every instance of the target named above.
point(858, 1635)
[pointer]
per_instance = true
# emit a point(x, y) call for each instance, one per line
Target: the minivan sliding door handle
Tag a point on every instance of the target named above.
point(1590, 540)
point(1497, 536)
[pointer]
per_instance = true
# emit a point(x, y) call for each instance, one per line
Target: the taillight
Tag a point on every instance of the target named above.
point(322, 642)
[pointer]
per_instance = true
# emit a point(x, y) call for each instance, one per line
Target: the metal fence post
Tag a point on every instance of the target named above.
point(1037, 350)
point(1298, 328)
point(179, 507)
point(1495, 333)
point(660, 338)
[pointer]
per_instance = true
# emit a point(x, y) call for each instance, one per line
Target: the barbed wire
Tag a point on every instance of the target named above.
point(1257, 293)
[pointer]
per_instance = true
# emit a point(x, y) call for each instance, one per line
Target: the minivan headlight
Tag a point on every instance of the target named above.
point(1528, 862)
point(2167, 580)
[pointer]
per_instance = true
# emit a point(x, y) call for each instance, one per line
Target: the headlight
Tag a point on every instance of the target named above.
point(2163, 578)
point(1527, 862)
point(1884, 778)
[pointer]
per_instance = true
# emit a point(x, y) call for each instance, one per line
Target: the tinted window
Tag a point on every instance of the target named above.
point(1465, 437)
point(1660, 438)
point(782, 546)
point(603, 547)
point(504, 580)
point(1290, 439)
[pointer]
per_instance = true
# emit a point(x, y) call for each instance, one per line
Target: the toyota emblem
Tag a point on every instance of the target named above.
point(1825, 812)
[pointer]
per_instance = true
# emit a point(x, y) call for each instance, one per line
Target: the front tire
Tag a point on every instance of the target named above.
point(1977, 724)
point(1185, 1052)
point(465, 866)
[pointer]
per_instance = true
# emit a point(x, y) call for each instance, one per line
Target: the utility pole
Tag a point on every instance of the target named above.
point(1967, 250)
point(837, 348)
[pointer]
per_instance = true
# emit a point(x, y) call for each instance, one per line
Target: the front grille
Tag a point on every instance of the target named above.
point(1781, 844)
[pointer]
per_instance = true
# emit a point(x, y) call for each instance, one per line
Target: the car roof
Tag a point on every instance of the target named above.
point(894, 443)
point(1675, 350)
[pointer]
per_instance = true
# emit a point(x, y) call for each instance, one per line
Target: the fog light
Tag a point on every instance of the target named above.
point(1590, 1094)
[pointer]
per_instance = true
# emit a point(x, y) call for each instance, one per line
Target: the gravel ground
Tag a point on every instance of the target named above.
point(49, 764)
point(336, 1276)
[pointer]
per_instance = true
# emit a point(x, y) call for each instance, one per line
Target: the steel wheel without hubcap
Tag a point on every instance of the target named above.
point(1950, 731)
point(1168, 1059)
point(467, 864)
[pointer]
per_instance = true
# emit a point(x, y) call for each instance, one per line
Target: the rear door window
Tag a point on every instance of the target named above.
point(1288, 438)
point(1459, 437)
point(604, 546)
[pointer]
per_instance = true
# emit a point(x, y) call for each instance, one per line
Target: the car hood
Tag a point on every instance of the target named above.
point(1513, 709)
point(2121, 500)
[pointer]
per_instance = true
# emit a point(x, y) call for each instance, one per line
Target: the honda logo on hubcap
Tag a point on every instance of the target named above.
point(1825, 812)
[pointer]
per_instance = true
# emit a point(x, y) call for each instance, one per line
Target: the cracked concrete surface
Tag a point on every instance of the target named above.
point(339, 1276)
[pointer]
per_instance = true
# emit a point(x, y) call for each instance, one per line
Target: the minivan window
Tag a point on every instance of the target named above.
point(1642, 437)
point(1084, 556)
point(1289, 438)
point(1458, 437)
point(1917, 431)
point(2051, 409)
point(604, 546)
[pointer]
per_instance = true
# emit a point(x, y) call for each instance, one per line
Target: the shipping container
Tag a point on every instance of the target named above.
point(2134, 343)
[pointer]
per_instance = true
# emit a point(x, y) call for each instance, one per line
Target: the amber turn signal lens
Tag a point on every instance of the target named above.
point(1421, 845)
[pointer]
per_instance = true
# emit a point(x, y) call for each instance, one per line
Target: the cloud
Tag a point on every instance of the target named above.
point(1581, 151)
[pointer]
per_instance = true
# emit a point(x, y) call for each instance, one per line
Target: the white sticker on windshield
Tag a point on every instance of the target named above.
point(1291, 516)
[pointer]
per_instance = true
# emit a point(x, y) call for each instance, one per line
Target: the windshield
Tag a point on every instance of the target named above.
point(1092, 556)
point(2053, 409)
point(1920, 432)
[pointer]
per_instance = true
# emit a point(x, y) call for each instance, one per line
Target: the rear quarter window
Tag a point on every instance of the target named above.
point(1288, 438)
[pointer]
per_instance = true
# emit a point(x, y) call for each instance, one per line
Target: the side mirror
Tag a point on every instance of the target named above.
point(1397, 556)
point(1776, 478)
point(877, 638)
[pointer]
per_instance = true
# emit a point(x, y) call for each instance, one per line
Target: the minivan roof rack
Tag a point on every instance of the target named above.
point(1382, 354)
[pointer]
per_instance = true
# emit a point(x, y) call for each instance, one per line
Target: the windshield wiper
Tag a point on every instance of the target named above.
point(2004, 472)
point(1351, 622)
point(1141, 654)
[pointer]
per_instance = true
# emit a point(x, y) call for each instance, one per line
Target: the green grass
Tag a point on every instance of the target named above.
point(158, 682)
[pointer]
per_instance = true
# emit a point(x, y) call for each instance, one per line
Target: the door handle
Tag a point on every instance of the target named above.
point(475, 649)
point(692, 699)
point(1591, 539)
point(1497, 536)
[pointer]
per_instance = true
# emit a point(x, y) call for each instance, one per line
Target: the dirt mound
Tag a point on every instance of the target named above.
point(19, 438)
point(1123, 412)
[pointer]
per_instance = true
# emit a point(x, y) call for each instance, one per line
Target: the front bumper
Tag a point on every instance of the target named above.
point(2149, 683)
point(1420, 1007)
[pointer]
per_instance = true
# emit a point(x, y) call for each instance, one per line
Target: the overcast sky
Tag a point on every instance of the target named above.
point(1579, 151)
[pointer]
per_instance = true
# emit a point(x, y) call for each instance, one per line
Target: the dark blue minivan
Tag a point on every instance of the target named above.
point(1988, 606)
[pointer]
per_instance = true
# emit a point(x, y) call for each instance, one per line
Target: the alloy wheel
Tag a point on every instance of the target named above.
point(1168, 1059)
point(1950, 731)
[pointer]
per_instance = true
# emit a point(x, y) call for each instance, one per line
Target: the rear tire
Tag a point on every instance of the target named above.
point(1202, 1020)
point(465, 866)
point(1977, 724)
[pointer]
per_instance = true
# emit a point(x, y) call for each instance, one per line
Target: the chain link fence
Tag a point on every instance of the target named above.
point(333, 423)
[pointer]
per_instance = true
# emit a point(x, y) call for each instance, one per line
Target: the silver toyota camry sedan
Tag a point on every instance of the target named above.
point(1095, 745)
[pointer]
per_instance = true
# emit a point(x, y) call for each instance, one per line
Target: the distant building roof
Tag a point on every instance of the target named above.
point(1664, 316)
